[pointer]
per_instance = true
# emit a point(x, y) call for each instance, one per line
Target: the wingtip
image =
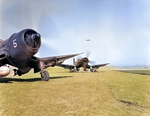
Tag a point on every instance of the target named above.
point(81, 53)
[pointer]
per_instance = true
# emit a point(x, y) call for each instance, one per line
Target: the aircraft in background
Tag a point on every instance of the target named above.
point(83, 62)
point(19, 50)
point(88, 40)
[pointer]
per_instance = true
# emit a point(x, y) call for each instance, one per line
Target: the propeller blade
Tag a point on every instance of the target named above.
point(92, 62)
point(18, 20)
point(88, 53)
point(28, 17)
point(47, 27)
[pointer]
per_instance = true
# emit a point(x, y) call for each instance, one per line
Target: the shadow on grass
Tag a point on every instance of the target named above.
point(140, 72)
point(10, 80)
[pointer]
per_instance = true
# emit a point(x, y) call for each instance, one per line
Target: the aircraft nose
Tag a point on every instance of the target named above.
point(36, 37)
point(32, 40)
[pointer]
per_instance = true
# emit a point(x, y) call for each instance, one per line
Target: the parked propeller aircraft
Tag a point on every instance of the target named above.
point(19, 50)
point(83, 62)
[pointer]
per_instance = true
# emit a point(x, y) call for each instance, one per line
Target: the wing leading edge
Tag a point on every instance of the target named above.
point(66, 66)
point(50, 61)
point(99, 65)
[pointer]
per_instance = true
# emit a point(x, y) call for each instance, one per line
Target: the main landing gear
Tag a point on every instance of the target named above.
point(44, 75)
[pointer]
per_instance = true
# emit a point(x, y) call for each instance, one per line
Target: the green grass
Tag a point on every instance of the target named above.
point(142, 72)
point(104, 93)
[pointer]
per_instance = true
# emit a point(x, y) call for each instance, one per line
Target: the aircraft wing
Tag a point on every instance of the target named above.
point(49, 61)
point(67, 66)
point(99, 65)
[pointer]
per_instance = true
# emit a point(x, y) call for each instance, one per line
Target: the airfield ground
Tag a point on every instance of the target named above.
point(103, 93)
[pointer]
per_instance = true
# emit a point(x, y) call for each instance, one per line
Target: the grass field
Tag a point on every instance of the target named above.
point(104, 93)
point(142, 72)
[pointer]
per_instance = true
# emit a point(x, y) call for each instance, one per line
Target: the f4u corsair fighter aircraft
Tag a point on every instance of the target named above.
point(19, 51)
point(82, 62)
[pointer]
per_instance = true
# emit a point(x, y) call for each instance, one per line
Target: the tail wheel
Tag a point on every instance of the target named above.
point(45, 76)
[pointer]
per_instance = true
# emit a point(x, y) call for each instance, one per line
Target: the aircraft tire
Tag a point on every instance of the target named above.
point(45, 76)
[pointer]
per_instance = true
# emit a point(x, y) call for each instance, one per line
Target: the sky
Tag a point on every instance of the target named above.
point(118, 30)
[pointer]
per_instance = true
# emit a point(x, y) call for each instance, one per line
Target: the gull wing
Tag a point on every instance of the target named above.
point(99, 65)
point(41, 63)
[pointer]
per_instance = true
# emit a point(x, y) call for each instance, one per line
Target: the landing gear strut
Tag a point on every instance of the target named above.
point(44, 75)
point(92, 70)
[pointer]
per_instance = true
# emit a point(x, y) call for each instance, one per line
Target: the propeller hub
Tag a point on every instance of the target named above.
point(32, 39)
point(36, 37)
point(85, 60)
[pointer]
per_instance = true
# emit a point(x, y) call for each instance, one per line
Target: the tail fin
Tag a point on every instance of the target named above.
point(73, 61)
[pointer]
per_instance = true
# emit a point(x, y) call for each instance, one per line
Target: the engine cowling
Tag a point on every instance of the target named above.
point(24, 44)
point(4, 71)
